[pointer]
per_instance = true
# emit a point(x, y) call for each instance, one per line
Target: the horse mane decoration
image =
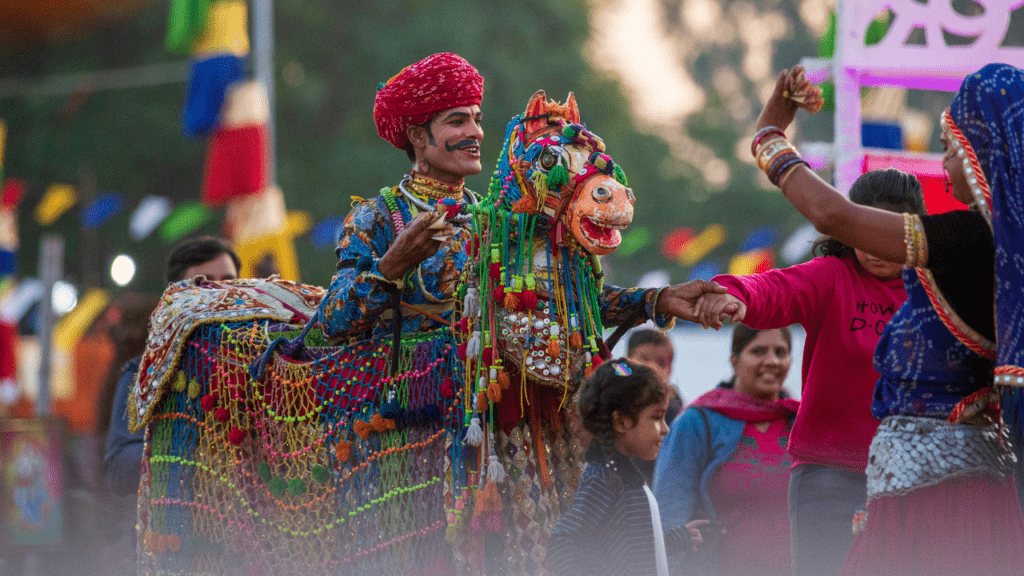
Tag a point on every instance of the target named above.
point(271, 451)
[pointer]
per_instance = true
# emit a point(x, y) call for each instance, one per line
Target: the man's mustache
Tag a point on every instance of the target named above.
point(461, 144)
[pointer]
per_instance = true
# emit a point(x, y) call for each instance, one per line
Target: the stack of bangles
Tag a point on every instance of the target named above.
point(775, 156)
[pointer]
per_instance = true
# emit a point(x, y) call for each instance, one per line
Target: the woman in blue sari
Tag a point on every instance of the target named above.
point(941, 497)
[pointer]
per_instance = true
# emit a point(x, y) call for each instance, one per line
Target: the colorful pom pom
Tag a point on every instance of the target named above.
point(208, 401)
point(362, 429)
point(277, 486)
point(343, 451)
point(296, 486)
point(263, 469)
point(320, 474)
point(236, 436)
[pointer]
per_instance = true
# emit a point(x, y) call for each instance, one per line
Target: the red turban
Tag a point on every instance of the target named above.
point(412, 97)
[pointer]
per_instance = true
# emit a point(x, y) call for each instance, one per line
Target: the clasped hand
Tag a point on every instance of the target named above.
point(687, 301)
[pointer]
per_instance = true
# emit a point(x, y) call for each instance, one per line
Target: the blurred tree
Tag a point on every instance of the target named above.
point(330, 57)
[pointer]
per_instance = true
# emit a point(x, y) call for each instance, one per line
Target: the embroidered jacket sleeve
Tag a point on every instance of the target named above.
point(617, 304)
point(358, 293)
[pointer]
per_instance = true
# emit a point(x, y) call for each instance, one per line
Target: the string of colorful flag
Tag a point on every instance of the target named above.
point(757, 253)
point(684, 245)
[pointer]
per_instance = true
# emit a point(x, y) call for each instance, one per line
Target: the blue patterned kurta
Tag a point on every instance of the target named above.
point(358, 296)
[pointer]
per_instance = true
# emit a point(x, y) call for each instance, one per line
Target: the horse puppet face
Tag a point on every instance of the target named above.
point(562, 171)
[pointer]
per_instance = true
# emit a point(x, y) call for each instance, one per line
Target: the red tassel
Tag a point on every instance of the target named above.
point(499, 294)
point(461, 351)
point(495, 271)
point(221, 414)
point(529, 299)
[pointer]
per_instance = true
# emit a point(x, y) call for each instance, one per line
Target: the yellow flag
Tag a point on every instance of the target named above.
point(69, 330)
point(698, 247)
point(56, 201)
point(299, 222)
point(279, 247)
point(753, 262)
point(226, 30)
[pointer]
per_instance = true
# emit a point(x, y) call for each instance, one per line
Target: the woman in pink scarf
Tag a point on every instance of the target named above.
point(725, 460)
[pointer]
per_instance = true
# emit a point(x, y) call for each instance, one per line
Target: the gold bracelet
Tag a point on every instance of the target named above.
point(908, 239)
point(919, 242)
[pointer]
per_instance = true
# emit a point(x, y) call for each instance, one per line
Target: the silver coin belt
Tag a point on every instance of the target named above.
point(910, 452)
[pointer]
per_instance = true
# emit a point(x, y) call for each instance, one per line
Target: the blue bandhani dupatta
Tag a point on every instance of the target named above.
point(989, 112)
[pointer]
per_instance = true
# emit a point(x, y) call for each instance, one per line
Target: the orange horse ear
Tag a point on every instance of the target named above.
point(573, 116)
point(538, 106)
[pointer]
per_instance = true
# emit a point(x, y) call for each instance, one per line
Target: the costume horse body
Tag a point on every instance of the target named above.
point(271, 451)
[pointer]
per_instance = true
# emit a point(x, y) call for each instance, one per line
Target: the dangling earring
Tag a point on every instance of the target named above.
point(949, 184)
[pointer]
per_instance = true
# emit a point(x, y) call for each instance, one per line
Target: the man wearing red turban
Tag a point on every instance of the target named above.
point(397, 240)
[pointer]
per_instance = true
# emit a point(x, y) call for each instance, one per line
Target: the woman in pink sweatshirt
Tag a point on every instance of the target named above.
point(843, 299)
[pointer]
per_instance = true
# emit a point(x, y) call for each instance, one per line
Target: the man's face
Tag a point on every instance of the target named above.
point(220, 268)
point(450, 151)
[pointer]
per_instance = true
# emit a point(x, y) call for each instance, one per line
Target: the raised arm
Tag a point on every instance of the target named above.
point(877, 232)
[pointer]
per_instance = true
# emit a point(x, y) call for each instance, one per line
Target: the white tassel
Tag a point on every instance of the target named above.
point(474, 434)
point(495, 471)
point(470, 306)
point(473, 346)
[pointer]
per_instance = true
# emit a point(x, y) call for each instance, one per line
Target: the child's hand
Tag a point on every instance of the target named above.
point(712, 309)
point(694, 528)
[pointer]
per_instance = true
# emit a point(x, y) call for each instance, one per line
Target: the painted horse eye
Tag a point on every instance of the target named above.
point(548, 159)
point(601, 194)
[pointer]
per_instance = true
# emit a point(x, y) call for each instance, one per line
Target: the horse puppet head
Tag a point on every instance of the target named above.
point(531, 295)
point(553, 166)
